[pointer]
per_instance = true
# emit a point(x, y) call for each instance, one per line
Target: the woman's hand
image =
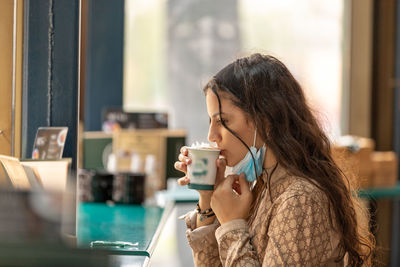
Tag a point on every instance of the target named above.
point(181, 165)
point(229, 204)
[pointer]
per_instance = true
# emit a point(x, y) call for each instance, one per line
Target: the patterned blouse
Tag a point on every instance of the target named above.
point(291, 230)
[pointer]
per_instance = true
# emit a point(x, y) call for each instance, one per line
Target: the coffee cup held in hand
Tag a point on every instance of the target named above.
point(203, 169)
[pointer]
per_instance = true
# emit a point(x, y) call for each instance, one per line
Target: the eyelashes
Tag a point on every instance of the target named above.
point(219, 121)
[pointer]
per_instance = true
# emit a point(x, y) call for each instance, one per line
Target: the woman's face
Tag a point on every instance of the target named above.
point(231, 148)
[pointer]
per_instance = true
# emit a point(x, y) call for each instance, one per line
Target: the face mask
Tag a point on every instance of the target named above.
point(246, 165)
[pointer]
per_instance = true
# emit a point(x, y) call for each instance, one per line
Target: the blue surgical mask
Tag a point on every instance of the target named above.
point(246, 165)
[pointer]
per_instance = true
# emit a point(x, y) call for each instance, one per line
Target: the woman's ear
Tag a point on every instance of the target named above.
point(250, 122)
point(251, 126)
point(264, 131)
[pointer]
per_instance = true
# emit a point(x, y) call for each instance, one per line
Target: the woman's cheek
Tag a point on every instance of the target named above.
point(225, 155)
point(229, 161)
point(233, 160)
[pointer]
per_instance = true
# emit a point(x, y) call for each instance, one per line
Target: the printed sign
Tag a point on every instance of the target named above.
point(115, 119)
point(49, 143)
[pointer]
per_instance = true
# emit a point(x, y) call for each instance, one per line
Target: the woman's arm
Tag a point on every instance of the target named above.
point(233, 236)
point(202, 240)
point(201, 233)
point(235, 248)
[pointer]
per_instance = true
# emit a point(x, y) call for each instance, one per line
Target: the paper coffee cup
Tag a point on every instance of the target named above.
point(203, 169)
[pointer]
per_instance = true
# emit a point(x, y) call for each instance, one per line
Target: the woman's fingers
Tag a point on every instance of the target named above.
point(184, 159)
point(236, 187)
point(244, 184)
point(180, 166)
point(232, 181)
point(183, 181)
point(229, 181)
point(221, 166)
point(226, 184)
point(184, 150)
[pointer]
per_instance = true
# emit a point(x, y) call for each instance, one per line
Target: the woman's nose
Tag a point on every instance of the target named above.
point(213, 135)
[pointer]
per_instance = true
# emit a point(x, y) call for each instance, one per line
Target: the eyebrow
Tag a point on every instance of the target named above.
point(217, 114)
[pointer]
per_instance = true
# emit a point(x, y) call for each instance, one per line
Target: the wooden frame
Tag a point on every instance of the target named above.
point(358, 33)
point(11, 30)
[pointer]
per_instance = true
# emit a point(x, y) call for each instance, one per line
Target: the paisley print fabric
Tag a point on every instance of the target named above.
point(291, 227)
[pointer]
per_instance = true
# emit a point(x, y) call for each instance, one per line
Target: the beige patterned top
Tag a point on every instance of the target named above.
point(292, 230)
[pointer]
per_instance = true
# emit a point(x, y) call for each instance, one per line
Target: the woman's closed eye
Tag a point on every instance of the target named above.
point(221, 121)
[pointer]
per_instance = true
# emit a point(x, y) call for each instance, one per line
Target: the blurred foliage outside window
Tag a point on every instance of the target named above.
point(145, 40)
point(305, 34)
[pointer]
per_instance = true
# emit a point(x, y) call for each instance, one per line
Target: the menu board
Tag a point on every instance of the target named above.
point(49, 143)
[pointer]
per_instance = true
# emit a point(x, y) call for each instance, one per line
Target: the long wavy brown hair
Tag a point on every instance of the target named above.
point(267, 92)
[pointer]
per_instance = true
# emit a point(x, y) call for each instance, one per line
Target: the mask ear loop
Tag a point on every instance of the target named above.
point(255, 137)
point(252, 184)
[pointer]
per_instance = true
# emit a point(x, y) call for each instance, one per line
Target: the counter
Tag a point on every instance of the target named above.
point(120, 229)
point(379, 193)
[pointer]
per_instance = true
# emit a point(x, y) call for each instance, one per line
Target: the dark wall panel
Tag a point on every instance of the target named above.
point(50, 85)
point(64, 108)
point(50, 77)
point(104, 59)
point(35, 111)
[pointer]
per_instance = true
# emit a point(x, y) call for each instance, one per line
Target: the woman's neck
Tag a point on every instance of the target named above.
point(269, 159)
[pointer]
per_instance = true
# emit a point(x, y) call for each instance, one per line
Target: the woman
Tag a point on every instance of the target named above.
point(291, 204)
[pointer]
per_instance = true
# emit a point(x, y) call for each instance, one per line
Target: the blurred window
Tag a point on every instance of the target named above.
point(144, 55)
point(305, 34)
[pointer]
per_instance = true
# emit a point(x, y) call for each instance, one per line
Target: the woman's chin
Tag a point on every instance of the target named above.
point(228, 162)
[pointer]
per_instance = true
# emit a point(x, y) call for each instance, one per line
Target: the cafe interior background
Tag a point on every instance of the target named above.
point(126, 78)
